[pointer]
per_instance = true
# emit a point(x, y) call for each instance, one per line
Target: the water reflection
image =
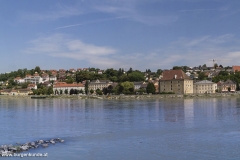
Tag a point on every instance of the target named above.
point(153, 129)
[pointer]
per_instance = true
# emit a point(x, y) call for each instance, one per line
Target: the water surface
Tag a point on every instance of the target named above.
point(206, 128)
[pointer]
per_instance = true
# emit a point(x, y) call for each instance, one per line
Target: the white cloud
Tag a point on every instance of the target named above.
point(191, 52)
point(129, 11)
point(59, 11)
point(60, 45)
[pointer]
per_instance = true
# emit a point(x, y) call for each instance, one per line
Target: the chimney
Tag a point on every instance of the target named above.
point(175, 76)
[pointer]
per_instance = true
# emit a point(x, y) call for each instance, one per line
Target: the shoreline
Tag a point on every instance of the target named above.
point(136, 97)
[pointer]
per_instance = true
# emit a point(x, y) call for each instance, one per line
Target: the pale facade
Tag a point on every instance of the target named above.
point(94, 85)
point(19, 80)
point(62, 86)
point(204, 86)
point(176, 81)
point(33, 79)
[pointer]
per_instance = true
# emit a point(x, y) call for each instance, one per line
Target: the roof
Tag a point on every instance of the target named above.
point(228, 82)
point(99, 81)
point(204, 82)
point(137, 83)
point(236, 68)
point(174, 74)
point(31, 85)
point(64, 84)
point(17, 78)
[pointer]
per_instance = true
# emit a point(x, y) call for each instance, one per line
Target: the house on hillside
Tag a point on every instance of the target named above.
point(235, 68)
point(175, 81)
point(33, 79)
point(225, 86)
point(32, 86)
point(19, 80)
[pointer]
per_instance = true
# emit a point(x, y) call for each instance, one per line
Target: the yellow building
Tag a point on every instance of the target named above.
point(175, 81)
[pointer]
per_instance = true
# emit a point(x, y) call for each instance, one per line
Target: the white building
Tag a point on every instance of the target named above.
point(52, 78)
point(62, 86)
point(33, 79)
point(19, 80)
point(204, 86)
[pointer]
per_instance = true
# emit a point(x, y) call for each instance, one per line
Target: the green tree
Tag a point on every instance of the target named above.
point(61, 92)
point(123, 78)
point(91, 91)
point(72, 91)
point(99, 92)
point(136, 76)
point(69, 80)
point(151, 88)
point(66, 91)
point(50, 90)
point(130, 70)
point(126, 87)
point(86, 87)
point(37, 69)
point(177, 68)
point(159, 72)
point(24, 85)
point(201, 76)
point(81, 91)
point(114, 79)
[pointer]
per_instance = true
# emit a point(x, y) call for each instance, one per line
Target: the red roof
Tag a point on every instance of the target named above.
point(174, 74)
point(64, 84)
point(236, 68)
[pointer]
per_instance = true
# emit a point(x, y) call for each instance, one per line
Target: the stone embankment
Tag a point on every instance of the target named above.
point(156, 96)
point(150, 96)
point(6, 150)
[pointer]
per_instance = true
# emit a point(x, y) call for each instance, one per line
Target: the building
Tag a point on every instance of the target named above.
point(235, 68)
point(137, 85)
point(32, 86)
point(225, 86)
point(175, 81)
point(33, 79)
point(204, 86)
point(52, 78)
point(99, 84)
point(19, 80)
point(19, 92)
point(62, 86)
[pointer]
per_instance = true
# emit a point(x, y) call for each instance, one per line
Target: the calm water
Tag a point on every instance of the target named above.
point(141, 129)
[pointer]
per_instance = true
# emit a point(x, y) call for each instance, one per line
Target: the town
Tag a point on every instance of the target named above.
point(93, 81)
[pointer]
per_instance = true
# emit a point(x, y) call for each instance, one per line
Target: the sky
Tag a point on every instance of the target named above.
point(141, 34)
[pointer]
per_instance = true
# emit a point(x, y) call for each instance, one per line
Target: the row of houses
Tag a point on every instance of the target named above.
point(36, 78)
point(177, 81)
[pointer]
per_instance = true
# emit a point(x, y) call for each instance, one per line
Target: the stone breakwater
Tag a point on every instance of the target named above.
point(11, 149)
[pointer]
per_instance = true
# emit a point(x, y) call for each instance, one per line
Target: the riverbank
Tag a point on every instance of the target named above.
point(156, 96)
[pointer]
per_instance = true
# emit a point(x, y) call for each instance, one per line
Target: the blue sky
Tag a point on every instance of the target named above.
point(142, 34)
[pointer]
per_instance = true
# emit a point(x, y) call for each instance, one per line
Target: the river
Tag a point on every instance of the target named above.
point(199, 128)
